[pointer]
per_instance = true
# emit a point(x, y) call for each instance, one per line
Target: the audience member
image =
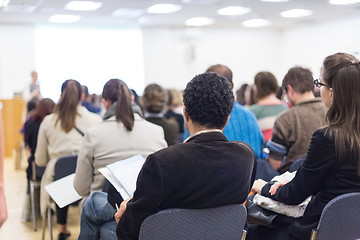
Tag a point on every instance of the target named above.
point(240, 94)
point(86, 100)
point(267, 106)
point(293, 128)
point(202, 160)
point(332, 165)
point(250, 95)
point(121, 135)
point(174, 110)
point(3, 208)
point(44, 108)
point(154, 101)
point(61, 134)
point(242, 125)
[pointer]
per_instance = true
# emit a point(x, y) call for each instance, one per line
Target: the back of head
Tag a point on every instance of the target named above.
point(266, 84)
point(85, 90)
point(154, 98)
point(66, 109)
point(115, 90)
point(300, 79)
point(174, 98)
point(44, 107)
point(208, 100)
point(240, 94)
point(222, 70)
point(341, 73)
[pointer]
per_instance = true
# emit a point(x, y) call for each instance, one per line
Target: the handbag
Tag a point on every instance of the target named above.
point(261, 216)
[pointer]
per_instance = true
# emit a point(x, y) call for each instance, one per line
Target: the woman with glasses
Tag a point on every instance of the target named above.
point(332, 165)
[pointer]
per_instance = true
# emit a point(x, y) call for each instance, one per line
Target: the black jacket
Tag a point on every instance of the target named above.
point(207, 171)
point(323, 176)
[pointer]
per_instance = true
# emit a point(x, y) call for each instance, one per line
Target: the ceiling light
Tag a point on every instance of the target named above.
point(83, 5)
point(343, 2)
point(256, 22)
point(296, 13)
point(127, 12)
point(233, 11)
point(164, 8)
point(64, 18)
point(274, 0)
point(3, 3)
point(199, 21)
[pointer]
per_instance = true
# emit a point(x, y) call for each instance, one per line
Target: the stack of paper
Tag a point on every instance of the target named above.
point(62, 191)
point(123, 174)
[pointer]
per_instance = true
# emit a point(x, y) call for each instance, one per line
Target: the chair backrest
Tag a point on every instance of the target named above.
point(65, 166)
point(226, 222)
point(296, 164)
point(340, 218)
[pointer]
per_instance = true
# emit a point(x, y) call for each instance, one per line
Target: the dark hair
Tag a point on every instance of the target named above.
point(341, 72)
point(154, 98)
point(266, 84)
point(85, 90)
point(240, 94)
point(66, 109)
point(31, 105)
point(115, 90)
point(222, 70)
point(208, 100)
point(300, 79)
point(44, 107)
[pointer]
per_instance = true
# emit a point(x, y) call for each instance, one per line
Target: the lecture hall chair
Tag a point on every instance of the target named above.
point(64, 166)
point(340, 219)
point(226, 222)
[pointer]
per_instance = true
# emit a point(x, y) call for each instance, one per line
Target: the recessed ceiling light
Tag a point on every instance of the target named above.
point(343, 2)
point(3, 3)
point(127, 12)
point(233, 11)
point(274, 0)
point(164, 8)
point(256, 22)
point(83, 5)
point(58, 18)
point(199, 21)
point(296, 13)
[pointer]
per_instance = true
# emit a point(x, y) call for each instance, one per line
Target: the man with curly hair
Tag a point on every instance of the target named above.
point(242, 125)
point(204, 172)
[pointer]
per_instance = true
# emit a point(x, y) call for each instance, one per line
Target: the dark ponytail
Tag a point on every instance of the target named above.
point(66, 109)
point(115, 90)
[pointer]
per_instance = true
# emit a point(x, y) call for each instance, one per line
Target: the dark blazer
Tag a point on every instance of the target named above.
point(323, 176)
point(171, 129)
point(207, 171)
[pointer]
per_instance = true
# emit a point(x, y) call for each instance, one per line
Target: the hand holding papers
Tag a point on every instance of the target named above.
point(123, 174)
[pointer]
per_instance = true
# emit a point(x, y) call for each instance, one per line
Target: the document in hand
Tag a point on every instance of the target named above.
point(62, 191)
point(123, 174)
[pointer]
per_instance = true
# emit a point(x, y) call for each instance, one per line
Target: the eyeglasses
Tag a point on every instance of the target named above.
point(319, 84)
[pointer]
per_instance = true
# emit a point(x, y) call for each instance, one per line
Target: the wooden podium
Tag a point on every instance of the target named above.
point(12, 114)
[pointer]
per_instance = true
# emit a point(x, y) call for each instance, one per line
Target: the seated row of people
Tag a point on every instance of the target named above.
point(179, 176)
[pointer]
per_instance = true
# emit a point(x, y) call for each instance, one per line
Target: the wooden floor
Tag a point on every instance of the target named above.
point(15, 193)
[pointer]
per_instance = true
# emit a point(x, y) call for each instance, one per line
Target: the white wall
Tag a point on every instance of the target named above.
point(309, 44)
point(17, 58)
point(173, 56)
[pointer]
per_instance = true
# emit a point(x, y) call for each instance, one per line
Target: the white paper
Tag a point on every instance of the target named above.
point(62, 191)
point(113, 180)
point(126, 172)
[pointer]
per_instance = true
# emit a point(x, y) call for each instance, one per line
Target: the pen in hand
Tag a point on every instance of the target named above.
point(117, 207)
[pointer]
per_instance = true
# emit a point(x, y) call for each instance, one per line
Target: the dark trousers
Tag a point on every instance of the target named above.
point(61, 214)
